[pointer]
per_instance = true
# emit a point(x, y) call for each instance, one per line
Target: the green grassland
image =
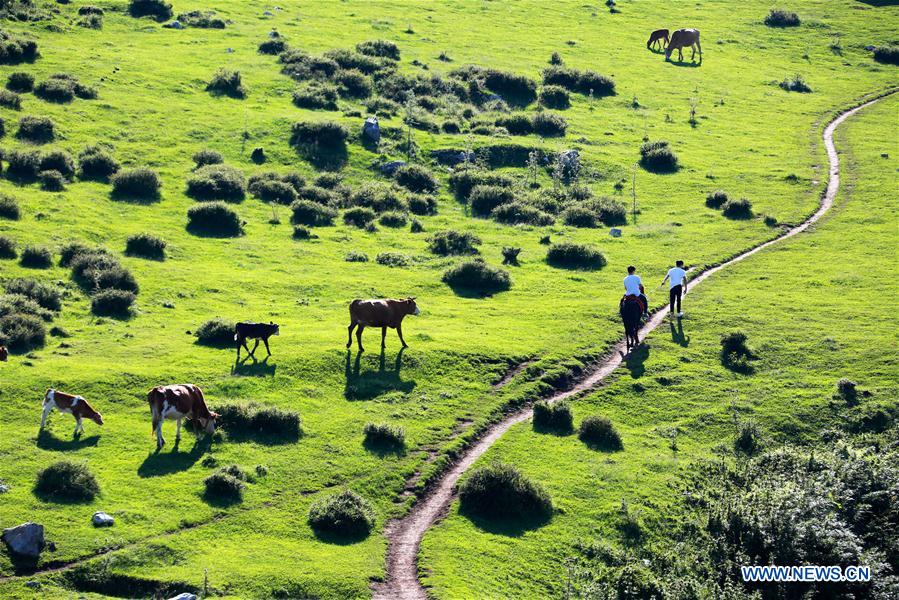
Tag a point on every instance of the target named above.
point(152, 108)
point(816, 308)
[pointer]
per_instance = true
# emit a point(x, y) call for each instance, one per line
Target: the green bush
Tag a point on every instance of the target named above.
point(345, 514)
point(379, 48)
point(500, 491)
point(383, 436)
point(392, 259)
point(555, 417)
point(582, 82)
point(23, 164)
point(484, 198)
point(14, 49)
point(748, 439)
point(737, 209)
point(359, 216)
point(453, 243)
point(44, 294)
point(72, 250)
point(735, 354)
point(36, 257)
point(22, 332)
point(217, 182)
point(274, 190)
point(796, 84)
point(377, 197)
point(569, 255)
point(598, 432)
point(145, 245)
point(322, 134)
point(319, 196)
point(887, 54)
point(847, 390)
point(36, 129)
point(56, 89)
point(353, 84)
point(716, 199)
point(203, 19)
point(779, 17)
point(252, 419)
point(416, 178)
point(316, 95)
point(547, 124)
point(12, 304)
point(208, 157)
point(347, 59)
point(52, 181)
point(226, 82)
point(223, 486)
point(554, 96)
point(519, 213)
point(7, 248)
point(217, 332)
point(60, 161)
point(421, 204)
point(20, 82)
point(67, 481)
point(95, 162)
point(516, 124)
point(393, 219)
point(477, 276)
point(10, 100)
point(312, 214)
point(158, 9)
point(9, 208)
point(272, 46)
point(112, 302)
point(214, 218)
point(463, 181)
point(136, 184)
point(355, 256)
point(658, 157)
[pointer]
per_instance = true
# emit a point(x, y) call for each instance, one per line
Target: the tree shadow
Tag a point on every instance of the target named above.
point(365, 385)
point(158, 463)
point(677, 334)
point(258, 368)
point(507, 526)
point(48, 441)
point(634, 361)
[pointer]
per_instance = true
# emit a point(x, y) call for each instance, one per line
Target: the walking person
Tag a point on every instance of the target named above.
point(677, 281)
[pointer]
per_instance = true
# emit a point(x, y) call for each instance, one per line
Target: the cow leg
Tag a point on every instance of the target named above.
point(253, 351)
point(160, 442)
point(265, 341)
point(383, 337)
point(178, 432)
point(78, 427)
point(349, 337)
point(47, 408)
point(399, 332)
point(699, 46)
point(239, 342)
point(680, 54)
point(359, 336)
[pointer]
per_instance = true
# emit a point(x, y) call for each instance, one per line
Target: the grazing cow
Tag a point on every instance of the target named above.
point(72, 405)
point(379, 313)
point(4, 354)
point(681, 39)
point(254, 331)
point(179, 402)
point(657, 37)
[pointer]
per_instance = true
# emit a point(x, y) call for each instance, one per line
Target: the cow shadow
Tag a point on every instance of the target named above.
point(677, 334)
point(686, 63)
point(159, 463)
point(365, 385)
point(48, 441)
point(636, 359)
point(256, 368)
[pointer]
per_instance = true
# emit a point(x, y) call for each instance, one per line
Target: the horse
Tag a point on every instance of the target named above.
point(659, 36)
point(681, 39)
point(631, 311)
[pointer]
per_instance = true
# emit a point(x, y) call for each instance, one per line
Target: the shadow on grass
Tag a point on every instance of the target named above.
point(383, 448)
point(634, 361)
point(677, 334)
point(266, 439)
point(685, 63)
point(365, 385)
point(257, 368)
point(221, 500)
point(140, 199)
point(558, 431)
point(507, 526)
point(339, 539)
point(48, 441)
point(160, 463)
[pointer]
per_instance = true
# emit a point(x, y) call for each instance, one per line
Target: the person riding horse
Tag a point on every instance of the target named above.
point(634, 291)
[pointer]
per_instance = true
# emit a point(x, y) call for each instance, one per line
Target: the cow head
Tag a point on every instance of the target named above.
point(411, 307)
point(207, 424)
point(277, 328)
point(97, 418)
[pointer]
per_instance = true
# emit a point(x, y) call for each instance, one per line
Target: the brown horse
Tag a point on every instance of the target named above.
point(681, 39)
point(656, 38)
point(631, 311)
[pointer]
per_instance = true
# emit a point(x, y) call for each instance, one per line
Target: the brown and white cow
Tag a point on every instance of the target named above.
point(379, 313)
point(76, 406)
point(4, 354)
point(181, 401)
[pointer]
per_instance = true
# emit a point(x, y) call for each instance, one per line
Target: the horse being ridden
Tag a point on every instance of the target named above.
point(631, 312)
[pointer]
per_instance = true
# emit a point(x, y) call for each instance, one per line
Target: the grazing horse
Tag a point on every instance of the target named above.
point(656, 38)
point(681, 39)
point(631, 311)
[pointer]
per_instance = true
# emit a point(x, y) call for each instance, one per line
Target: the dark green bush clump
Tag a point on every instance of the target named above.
point(553, 417)
point(90, 21)
point(359, 216)
point(392, 259)
point(322, 134)
point(377, 197)
point(112, 302)
point(22, 332)
point(716, 199)
point(516, 124)
point(319, 196)
point(274, 190)
point(569, 255)
point(67, 481)
point(463, 181)
point(72, 250)
point(36, 257)
point(10, 100)
point(136, 184)
point(416, 178)
point(217, 332)
point(658, 157)
point(23, 164)
point(453, 243)
point(316, 95)
point(347, 59)
point(14, 50)
point(273, 46)
point(356, 256)
point(779, 17)
point(748, 439)
point(598, 432)
point(214, 218)
point(20, 82)
point(208, 157)
point(383, 436)
point(519, 213)
point(158, 9)
point(547, 124)
point(379, 48)
point(735, 354)
point(393, 219)
point(484, 198)
point(36, 129)
point(9, 208)
point(223, 486)
point(145, 245)
point(346, 514)
point(46, 296)
point(582, 82)
point(60, 161)
point(554, 96)
point(353, 84)
point(217, 182)
point(887, 54)
point(796, 84)
point(7, 248)
point(100, 271)
point(203, 19)
point(477, 276)
point(312, 214)
point(253, 419)
point(56, 89)
point(12, 304)
point(847, 390)
point(95, 162)
point(737, 209)
point(500, 491)
point(52, 181)
point(226, 82)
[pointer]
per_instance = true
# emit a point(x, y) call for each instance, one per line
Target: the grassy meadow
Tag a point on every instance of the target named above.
point(750, 138)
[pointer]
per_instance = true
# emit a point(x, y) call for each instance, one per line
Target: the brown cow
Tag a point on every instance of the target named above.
point(379, 313)
point(4, 354)
point(659, 36)
point(179, 402)
point(682, 38)
point(72, 405)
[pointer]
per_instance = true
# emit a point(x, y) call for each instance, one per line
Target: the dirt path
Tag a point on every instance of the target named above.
point(404, 535)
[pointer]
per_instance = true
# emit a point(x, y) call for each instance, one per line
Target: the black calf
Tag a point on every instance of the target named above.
point(254, 331)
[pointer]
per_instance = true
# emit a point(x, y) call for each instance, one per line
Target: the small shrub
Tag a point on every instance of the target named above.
point(36, 257)
point(416, 178)
point(453, 243)
point(56, 89)
point(463, 181)
point(60, 161)
point(273, 190)
point(158, 9)
point(359, 216)
point(355, 256)
point(312, 214)
point(796, 84)
point(716, 199)
point(477, 276)
point(510, 255)
point(570, 255)
point(554, 96)
point(67, 481)
point(203, 19)
point(112, 302)
point(484, 198)
point(258, 155)
point(52, 181)
point(658, 157)
point(553, 417)
point(353, 84)
point(136, 184)
point(547, 124)
point(85, 92)
point(887, 54)
point(737, 209)
point(208, 157)
point(779, 17)
point(328, 181)
point(582, 82)
point(578, 215)
point(420, 204)
point(254, 420)
point(23, 164)
point(20, 82)
point(7, 248)
point(344, 514)
point(214, 218)
point(322, 134)
point(10, 100)
point(217, 182)
point(226, 82)
point(45, 295)
point(379, 48)
point(223, 486)
point(383, 436)
point(145, 245)
point(11, 304)
point(416, 226)
point(14, 49)
point(72, 250)
point(9, 208)
point(216, 332)
point(516, 124)
point(392, 259)
point(319, 196)
point(377, 197)
point(598, 432)
point(36, 129)
point(450, 126)
point(393, 219)
point(316, 95)
point(749, 438)
point(500, 491)
point(735, 354)
point(770, 221)
point(95, 162)
point(22, 332)
point(273, 46)
point(90, 21)
point(519, 213)
point(846, 389)
point(302, 233)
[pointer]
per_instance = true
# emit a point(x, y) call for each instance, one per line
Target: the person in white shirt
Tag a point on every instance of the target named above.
point(633, 286)
point(677, 281)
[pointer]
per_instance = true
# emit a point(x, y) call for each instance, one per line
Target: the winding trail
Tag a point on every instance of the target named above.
point(404, 535)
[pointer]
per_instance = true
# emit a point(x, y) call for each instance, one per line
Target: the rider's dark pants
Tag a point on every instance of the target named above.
point(674, 296)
